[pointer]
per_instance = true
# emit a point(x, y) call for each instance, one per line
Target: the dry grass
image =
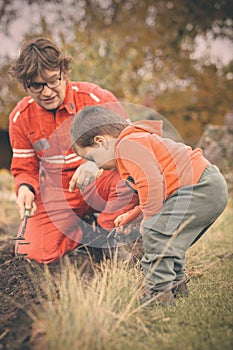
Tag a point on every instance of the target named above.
point(89, 313)
point(103, 313)
point(215, 245)
point(9, 216)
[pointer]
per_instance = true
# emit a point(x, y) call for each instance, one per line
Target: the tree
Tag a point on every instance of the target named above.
point(134, 47)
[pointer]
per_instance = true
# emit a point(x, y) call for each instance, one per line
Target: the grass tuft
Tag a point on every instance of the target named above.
point(84, 312)
point(101, 312)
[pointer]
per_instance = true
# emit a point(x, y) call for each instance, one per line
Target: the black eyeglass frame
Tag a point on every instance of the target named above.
point(42, 85)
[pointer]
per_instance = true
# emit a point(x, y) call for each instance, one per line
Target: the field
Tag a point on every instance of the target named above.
point(78, 303)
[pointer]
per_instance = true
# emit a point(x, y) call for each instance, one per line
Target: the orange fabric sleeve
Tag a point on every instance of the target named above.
point(135, 158)
point(134, 215)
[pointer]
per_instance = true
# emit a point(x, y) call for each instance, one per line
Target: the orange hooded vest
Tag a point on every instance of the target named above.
point(155, 166)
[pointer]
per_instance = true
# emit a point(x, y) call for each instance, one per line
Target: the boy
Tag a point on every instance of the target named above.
point(175, 184)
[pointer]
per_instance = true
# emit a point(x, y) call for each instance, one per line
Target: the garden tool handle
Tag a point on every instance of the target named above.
point(27, 213)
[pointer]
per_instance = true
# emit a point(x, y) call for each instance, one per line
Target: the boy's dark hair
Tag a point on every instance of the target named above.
point(36, 56)
point(95, 120)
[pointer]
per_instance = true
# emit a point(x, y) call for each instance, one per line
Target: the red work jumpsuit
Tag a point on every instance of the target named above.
point(43, 158)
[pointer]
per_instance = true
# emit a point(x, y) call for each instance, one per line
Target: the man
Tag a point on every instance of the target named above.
point(50, 181)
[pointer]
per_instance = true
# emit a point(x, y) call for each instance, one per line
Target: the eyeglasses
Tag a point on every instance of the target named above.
point(38, 87)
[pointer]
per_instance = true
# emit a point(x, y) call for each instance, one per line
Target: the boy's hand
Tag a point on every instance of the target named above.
point(120, 219)
point(119, 223)
point(83, 176)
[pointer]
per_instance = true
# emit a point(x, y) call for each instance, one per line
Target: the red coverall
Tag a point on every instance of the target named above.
point(43, 158)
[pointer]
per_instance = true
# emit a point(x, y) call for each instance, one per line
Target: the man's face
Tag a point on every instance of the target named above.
point(49, 93)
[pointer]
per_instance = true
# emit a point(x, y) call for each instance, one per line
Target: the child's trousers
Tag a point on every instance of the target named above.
point(164, 249)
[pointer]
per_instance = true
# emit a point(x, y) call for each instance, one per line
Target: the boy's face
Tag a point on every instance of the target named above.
point(102, 152)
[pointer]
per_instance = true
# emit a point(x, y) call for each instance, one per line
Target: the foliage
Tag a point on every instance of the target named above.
point(142, 48)
point(10, 94)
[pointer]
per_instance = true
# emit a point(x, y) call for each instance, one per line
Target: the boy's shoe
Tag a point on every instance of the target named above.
point(164, 298)
point(180, 288)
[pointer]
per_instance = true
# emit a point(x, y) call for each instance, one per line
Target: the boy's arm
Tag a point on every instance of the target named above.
point(132, 216)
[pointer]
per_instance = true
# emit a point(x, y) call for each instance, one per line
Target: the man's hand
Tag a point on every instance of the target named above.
point(83, 176)
point(25, 200)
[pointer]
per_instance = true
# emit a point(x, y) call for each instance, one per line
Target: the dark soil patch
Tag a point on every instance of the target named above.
point(20, 291)
point(17, 294)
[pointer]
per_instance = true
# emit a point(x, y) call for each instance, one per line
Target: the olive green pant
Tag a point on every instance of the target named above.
point(167, 235)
